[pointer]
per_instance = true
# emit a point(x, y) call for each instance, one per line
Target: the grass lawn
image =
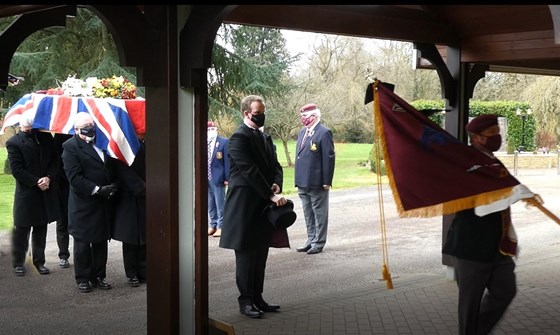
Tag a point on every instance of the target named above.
point(7, 185)
point(350, 166)
point(350, 171)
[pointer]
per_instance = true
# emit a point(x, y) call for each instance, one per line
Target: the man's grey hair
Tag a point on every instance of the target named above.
point(82, 119)
point(26, 120)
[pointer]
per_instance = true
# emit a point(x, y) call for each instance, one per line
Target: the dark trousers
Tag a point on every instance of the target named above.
point(485, 291)
point(90, 260)
point(62, 238)
point(250, 268)
point(134, 258)
point(20, 244)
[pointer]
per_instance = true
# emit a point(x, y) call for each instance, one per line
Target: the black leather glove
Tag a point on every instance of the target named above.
point(107, 191)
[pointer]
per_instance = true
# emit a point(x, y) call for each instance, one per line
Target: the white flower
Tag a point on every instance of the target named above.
point(75, 87)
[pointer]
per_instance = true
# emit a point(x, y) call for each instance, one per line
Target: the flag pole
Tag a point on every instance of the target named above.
point(386, 275)
point(537, 202)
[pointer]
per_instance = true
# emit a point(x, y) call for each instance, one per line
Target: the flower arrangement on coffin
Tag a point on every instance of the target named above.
point(75, 87)
point(114, 87)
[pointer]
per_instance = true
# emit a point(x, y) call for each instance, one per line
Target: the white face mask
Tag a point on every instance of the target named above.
point(212, 134)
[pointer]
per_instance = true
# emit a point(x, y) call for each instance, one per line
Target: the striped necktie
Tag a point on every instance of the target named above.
point(307, 135)
point(210, 160)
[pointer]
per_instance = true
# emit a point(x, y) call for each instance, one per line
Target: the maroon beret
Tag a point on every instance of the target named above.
point(211, 124)
point(308, 108)
point(481, 123)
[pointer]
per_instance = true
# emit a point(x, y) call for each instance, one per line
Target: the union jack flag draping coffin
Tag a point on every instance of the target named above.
point(430, 171)
point(118, 121)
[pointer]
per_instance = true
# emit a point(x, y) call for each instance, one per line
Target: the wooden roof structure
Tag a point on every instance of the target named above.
point(170, 46)
point(508, 38)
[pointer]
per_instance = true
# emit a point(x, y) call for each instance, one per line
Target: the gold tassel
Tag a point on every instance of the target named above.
point(387, 276)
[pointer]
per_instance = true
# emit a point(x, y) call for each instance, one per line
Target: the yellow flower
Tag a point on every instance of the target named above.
point(114, 87)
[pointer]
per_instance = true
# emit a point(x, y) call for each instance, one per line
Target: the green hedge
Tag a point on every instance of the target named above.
point(507, 109)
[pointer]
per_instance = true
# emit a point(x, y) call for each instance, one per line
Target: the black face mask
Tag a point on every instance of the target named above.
point(88, 131)
point(258, 119)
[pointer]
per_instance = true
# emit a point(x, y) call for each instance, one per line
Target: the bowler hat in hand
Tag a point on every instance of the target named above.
point(280, 217)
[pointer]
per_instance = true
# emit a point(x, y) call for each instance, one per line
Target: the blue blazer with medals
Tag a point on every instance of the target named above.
point(315, 159)
point(219, 165)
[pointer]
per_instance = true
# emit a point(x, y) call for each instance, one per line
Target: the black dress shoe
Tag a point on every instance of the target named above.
point(19, 270)
point(133, 282)
point(314, 251)
point(303, 249)
point(250, 311)
point(43, 269)
point(84, 287)
point(266, 307)
point(64, 263)
point(101, 283)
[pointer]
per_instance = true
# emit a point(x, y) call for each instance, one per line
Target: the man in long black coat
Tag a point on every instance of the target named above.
point(62, 236)
point(90, 173)
point(33, 164)
point(255, 181)
point(129, 225)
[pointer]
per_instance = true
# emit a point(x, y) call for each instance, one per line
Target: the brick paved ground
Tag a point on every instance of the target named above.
point(316, 298)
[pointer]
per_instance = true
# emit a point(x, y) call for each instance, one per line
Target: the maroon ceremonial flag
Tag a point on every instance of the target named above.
point(431, 172)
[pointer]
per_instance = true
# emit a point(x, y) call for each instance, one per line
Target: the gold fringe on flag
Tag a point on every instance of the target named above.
point(440, 209)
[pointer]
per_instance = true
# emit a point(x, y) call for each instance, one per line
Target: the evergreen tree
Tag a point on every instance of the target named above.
point(252, 60)
point(246, 60)
point(84, 48)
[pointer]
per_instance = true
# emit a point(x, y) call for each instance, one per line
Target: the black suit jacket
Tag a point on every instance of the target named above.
point(254, 167)
point(129, 224)
point(473, 237)
point(89, 216)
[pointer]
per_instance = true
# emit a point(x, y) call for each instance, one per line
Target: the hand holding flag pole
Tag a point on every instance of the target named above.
point(537, 202)
point(405, 136)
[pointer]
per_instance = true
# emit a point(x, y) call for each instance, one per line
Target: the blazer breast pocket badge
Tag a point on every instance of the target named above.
point(219, 155)
point(313, 146)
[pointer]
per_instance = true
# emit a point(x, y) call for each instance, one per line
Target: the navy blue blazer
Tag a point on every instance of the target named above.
point(219, 165)
point(314, 166)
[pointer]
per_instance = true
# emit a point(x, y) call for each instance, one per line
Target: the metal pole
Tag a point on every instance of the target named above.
point(523, 117)
point(557, 162)
point(515, 161)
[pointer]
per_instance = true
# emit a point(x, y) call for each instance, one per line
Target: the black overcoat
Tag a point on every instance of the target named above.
point(30, 160)
point(61, 179)
point(129, 224)
point(254, 167)
point(89, 215)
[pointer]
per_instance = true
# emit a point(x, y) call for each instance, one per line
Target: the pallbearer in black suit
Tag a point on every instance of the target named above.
point(255, 181)
point(90, 172)
point(62, 236)
point(33, 164)
point(129, 225)
point(314, 171)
